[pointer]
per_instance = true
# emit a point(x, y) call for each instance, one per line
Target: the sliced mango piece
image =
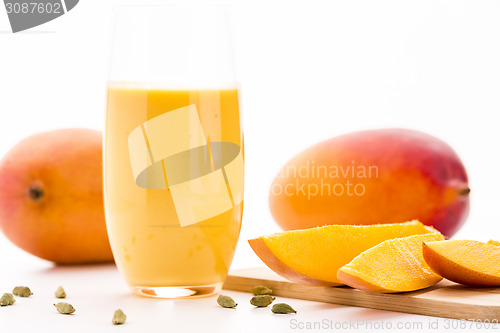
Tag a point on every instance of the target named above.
point(395, 265)
point(313, 256)
point(467, 262)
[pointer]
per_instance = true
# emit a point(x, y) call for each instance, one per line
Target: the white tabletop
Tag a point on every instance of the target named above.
point(96, 291)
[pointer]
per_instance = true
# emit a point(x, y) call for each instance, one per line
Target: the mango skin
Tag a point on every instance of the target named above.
point(51, 197)
point(413, 176)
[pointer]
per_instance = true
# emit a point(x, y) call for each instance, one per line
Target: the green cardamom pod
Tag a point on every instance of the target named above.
point(262, 300)
point(119, 317)
point(226, 301)
point(261, 290)
point(22, 291)
point(64, 308)
point(60, 293)
point(282, 308)
point(7, 299)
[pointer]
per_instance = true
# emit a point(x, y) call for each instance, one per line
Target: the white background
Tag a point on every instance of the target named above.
point(309, 70)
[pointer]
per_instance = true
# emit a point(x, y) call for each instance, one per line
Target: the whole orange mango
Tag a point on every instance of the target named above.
point(375, 176)
point(51, 197)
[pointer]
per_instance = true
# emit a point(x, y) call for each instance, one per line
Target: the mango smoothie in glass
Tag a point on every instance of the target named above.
point(173, 157)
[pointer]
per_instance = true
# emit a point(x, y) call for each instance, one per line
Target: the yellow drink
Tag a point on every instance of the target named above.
point(173, 186)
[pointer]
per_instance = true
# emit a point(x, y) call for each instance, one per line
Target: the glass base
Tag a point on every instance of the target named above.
point(178, 292)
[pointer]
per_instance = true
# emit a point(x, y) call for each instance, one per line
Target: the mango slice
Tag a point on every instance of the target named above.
point(313, 256)
point(395, 265)
point(494, 242)
point(467, 262)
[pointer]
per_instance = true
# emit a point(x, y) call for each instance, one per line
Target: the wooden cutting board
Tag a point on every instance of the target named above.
point(446, 299)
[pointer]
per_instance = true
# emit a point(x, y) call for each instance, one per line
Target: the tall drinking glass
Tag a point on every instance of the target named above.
point(173, 150)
